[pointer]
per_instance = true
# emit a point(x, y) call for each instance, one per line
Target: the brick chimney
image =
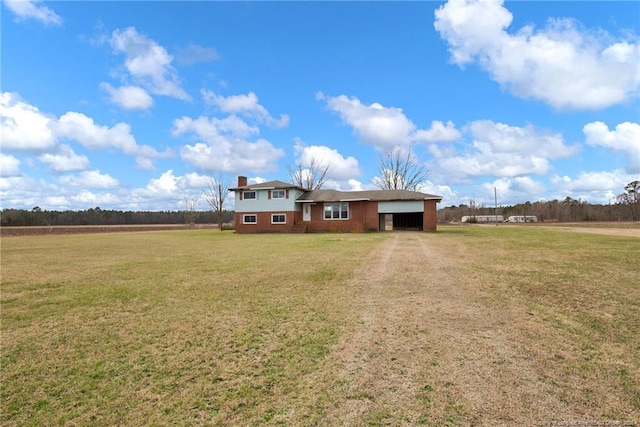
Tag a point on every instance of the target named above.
point(242, 181)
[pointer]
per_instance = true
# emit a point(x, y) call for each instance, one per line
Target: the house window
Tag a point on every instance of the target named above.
point(249, 195)
point(278, 219)
point(336, 211)
point(278, 194)
point(250, 219)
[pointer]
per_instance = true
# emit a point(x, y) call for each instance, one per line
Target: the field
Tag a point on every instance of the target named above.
point(469, 326)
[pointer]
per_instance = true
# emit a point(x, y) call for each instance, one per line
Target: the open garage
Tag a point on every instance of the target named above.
point(402, 221)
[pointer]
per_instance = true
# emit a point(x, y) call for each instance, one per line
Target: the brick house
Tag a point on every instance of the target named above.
point(277, 206)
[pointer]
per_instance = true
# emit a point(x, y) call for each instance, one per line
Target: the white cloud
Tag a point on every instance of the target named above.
point(193, 54)
point(487, 164)
point(25, 192)
point(65, 160)
point(195, 180)
point(355, 185)
point(592, 181)
point(207, 127)
point(385, 127)
point(340, 168)
point(232, 156)
point(90, 179)
point(624, 138)
point(128, 97)
point(81, 128)
point(374, 124)
point(94, 188)
point(171, 189)
point(225, 147)
point(501, 150)
point(167, 183)
point(439, 132)
point(9, 165)
point(513, 139)
point(23, 127)
point(148, 63)
point(246, 105)
point(445, 191)
point(256, 180)
point(563, 64)
point(508, 191)
point(31, 9)
point(520, 184)
point(86, 199)
point(144, 163)
point(596, 187)
point(78, 127)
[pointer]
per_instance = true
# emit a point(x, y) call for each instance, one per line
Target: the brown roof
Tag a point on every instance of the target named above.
point(266, 185)
point(372, 195)
point(342, 196)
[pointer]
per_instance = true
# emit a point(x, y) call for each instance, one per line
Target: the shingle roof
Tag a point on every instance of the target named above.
point(342, 196)
point(266, 185)
point(373, 195)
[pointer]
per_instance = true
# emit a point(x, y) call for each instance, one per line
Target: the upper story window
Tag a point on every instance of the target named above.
point(336, 211)
point(278, 194)
point(249, 195)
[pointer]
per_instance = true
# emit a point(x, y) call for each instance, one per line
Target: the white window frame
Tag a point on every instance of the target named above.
point(279, 214)
point(342, 208)
point(244, 219)
point(244, 195)
point(282, 194)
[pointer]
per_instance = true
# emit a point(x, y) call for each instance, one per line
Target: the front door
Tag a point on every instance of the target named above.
point(306, 212)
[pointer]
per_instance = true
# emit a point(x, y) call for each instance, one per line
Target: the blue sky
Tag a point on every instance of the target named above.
point(136, 105)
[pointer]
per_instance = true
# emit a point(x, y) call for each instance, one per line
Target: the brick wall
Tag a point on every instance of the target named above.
point(430, 215)
point(363, 216)
point(264, 224)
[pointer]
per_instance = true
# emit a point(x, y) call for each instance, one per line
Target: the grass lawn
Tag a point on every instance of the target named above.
point(207, 328)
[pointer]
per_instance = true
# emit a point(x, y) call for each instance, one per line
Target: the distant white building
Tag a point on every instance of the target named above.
point(522, 218)
point(482, 218)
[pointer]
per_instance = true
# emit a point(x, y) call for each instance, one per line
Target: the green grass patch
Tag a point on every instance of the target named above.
point(194, 327)
point(206, 328)
point(583, 288)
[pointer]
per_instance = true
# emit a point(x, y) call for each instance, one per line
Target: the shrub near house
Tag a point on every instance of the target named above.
point(277, 206)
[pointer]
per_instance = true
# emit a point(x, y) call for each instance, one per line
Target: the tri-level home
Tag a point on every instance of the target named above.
point(277, 206)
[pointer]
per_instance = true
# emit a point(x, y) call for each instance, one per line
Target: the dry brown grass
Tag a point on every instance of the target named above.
point(483, 326)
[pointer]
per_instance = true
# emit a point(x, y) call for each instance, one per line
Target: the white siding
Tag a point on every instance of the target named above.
point(262, 203)
point(401, 207)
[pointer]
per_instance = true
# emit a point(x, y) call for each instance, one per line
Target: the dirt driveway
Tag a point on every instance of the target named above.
point(430, 350)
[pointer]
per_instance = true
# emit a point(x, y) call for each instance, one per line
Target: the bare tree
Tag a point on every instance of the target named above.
point(311, 177)
point(400, 169)
point(190, 210)
point(216, 195)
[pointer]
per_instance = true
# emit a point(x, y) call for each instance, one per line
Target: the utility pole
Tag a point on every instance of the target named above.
point(495, 205)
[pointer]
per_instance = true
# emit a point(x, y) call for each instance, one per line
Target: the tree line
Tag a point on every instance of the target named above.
point(571, 210)
point(567, 210)
point(97, 216)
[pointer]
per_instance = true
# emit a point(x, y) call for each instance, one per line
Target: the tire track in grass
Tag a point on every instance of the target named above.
point(355, 354)
point(381, 363)
point(431, 350)
point(486, 373)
